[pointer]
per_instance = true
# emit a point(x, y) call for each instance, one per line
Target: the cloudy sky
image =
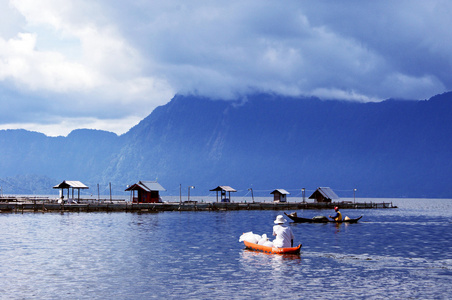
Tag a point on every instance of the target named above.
point(103, 64)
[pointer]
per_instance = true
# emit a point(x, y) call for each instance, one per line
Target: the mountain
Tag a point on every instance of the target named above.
point(394, 148)
point(82, 154)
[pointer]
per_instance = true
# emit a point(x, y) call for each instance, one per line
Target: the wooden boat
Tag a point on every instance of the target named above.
point(273, 250)
point(321, 219)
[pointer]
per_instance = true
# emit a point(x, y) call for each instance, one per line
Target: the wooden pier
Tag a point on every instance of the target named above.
point(13, 205)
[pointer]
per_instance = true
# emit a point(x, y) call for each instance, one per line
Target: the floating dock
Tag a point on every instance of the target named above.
point(45, 205)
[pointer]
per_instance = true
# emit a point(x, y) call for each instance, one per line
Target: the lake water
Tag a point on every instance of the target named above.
point(391, 253)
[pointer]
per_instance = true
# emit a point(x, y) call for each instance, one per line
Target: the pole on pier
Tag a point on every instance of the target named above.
point(252, 194)
point(110, 190)
point(190, 187)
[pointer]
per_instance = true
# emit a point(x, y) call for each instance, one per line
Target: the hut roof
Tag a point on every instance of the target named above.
point(146, 186)
point(223, 188)
point(281, 191)
point(326, 192)
point(70, 184)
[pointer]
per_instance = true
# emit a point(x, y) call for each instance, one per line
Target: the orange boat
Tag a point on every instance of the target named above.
point(274, 250)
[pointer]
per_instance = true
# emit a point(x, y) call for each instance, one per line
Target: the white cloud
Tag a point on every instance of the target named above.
point(41, 70)
point(336, 94)
point(105, 58)
point(69, 56)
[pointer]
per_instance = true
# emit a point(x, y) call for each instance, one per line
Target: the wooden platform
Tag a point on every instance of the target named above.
point(45, 205)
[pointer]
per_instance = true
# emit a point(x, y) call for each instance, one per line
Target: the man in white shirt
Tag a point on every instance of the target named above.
point(284, 235)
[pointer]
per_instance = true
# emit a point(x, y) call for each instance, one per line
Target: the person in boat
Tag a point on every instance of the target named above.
point(284, 235)
point(338, 216)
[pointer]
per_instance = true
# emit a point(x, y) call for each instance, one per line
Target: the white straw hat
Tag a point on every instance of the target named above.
point(280, 220)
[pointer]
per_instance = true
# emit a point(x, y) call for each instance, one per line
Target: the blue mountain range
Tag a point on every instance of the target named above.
point(394, 148)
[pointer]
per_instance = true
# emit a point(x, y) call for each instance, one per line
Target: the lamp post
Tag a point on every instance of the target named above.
point(190, 187)
point(354, 191)
point(303, 194)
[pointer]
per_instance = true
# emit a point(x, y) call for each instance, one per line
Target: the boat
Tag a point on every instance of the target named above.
point(272, 250)
point(319, 219)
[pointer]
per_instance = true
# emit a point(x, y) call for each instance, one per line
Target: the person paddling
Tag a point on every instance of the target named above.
point(284, 235)
point(338, 216)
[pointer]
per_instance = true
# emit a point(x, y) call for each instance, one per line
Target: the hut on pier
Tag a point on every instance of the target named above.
point(70, 184)
point(280, 195)
point(146, 192)
point(324, 195)
point(224, 189)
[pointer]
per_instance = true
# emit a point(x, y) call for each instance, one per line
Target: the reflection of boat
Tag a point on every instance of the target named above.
point(274, 250)
point(319, 219)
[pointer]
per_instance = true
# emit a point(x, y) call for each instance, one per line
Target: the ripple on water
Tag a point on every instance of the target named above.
point(197, 255)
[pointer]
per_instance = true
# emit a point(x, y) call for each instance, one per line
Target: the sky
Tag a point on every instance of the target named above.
point(102, 64)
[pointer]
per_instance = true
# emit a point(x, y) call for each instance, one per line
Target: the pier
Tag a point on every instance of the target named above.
point(24, 204)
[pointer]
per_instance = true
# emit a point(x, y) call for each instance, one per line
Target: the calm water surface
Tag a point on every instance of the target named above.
point(392, 253)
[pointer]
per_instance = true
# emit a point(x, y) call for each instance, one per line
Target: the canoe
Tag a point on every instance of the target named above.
point(319, 219)
point(273, 250)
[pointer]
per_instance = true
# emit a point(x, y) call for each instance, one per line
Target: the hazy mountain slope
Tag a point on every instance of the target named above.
point(384, 149)
point(82, 155)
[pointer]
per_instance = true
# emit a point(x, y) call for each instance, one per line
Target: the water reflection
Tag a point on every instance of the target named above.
point(253, 255)
point(276, 265)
